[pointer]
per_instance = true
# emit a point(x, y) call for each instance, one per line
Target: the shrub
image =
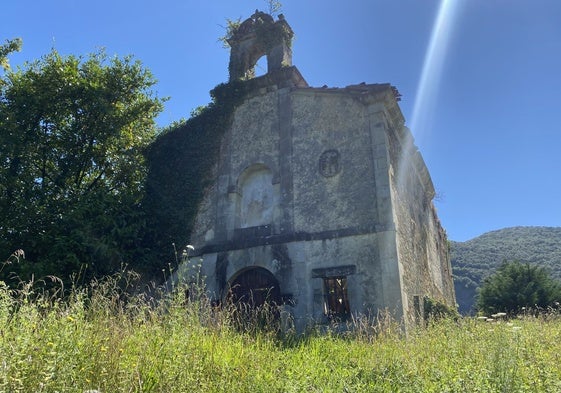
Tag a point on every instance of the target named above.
point(434, 309)
point(516, 286)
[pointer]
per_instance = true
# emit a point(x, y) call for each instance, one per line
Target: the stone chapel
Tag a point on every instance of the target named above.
point(321, 203)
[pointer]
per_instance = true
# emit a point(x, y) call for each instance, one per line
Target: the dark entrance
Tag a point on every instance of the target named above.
point(255, 287)
point(255, 295)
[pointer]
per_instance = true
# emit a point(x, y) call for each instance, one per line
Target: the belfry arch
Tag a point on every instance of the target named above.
point(259, 35)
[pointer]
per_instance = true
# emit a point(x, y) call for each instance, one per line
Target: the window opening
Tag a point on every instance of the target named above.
point(336, 305)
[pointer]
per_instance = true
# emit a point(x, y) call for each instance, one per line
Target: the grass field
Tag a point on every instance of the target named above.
point(99, 340)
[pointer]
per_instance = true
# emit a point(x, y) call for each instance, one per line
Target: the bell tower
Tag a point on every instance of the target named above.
point(259, 35)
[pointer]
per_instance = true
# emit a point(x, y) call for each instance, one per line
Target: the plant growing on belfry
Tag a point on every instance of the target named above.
point(274, 7)
point(231, 27)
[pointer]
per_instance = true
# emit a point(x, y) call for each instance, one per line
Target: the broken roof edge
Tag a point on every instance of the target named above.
point(291, 77)
point(363, 90)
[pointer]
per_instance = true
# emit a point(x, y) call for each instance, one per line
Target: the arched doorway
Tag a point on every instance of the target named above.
point(255, 287)
point(255, 294)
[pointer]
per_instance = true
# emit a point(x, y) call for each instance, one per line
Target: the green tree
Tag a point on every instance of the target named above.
point(72, 135)
point(13, 45)
point(514, 286)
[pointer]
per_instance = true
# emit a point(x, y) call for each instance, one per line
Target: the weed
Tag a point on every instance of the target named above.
point(101, 337)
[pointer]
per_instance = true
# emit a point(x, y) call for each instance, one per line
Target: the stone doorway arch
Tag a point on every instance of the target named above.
point(255, 295)
point(254, 287)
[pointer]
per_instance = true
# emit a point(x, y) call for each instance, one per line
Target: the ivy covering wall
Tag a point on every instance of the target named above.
point(180, 170)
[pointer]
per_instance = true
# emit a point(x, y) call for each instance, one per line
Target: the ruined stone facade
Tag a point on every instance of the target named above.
point(321, 202)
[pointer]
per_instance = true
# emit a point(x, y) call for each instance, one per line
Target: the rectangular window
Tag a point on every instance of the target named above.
point(336, 304)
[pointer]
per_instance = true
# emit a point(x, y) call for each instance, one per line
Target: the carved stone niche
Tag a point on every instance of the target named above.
point(259, 35)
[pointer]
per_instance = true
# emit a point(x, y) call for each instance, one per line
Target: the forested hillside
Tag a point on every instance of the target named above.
point(475, 259)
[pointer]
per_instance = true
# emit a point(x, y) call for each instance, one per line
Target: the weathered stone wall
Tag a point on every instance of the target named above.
point(325, 129)
point(254, 136)
point(421, 241)
point(333, 175)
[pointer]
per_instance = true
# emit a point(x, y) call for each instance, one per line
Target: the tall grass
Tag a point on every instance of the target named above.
point(99, 338)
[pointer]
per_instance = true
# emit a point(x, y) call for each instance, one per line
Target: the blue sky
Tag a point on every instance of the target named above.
point(488, 112)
